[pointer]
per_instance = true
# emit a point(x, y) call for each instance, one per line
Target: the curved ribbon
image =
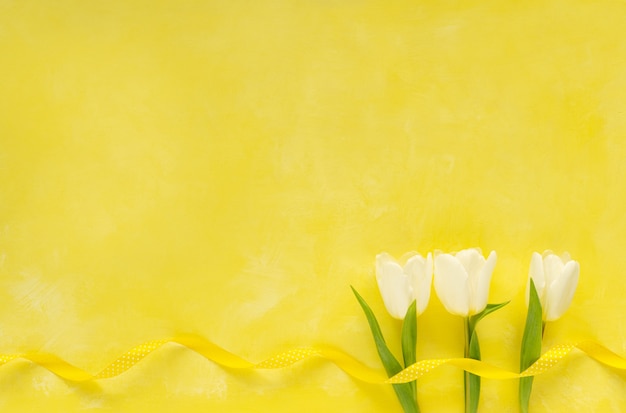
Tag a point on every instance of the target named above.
point(349, 365)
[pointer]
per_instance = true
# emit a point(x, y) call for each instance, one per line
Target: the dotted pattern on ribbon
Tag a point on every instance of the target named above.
point(287, 358)
point(129, 359)
point(417, 370)
point(352, 367)
point(548, 359)
point(5, 358)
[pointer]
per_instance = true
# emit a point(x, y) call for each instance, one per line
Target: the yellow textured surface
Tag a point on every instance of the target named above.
point(230, 168)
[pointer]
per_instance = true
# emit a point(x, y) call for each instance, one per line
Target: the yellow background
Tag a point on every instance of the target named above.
point(230, 168)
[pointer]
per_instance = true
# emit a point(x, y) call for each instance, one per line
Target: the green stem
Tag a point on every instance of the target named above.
point(472, 351)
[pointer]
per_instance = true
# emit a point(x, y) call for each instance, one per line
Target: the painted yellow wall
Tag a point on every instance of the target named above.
point(230, 168)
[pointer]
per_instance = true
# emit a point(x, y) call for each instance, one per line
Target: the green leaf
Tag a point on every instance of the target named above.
point(409, 341)
point(391, 364)
point(531, 345)
point(488, 310)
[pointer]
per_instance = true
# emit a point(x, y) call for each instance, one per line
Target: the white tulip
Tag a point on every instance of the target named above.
point(401, 285)
point(462, 280)
point(555, 279)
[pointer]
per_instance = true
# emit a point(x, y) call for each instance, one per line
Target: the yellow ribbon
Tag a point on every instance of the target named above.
point(352, 367)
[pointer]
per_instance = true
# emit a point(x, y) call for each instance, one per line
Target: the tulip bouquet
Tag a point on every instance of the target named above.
point(462, 281)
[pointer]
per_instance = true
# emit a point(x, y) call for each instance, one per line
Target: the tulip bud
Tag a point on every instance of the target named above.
point(555, 279)
point(400, 285)
point(462, 280)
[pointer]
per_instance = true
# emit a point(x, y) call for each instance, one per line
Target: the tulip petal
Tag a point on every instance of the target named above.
point(553, 267)
point(481, 293)
point(411, 261)
point(420, 272)
point(452, 284)
point(393, 285)
point(472, 260)
point(561, 291)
